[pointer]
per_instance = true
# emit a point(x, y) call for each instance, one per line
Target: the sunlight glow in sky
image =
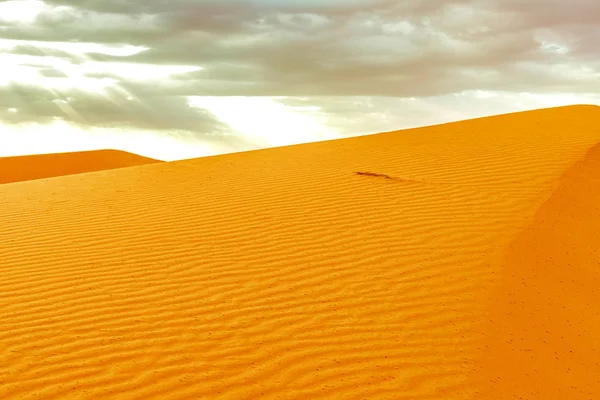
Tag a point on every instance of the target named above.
point(265, 120)
point(22, 11)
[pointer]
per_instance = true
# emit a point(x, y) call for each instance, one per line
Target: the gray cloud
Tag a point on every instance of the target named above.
point(378, 48)
point(21, 103)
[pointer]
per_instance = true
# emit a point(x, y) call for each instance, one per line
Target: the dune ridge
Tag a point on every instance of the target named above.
point(40, 166)
point(279, 273)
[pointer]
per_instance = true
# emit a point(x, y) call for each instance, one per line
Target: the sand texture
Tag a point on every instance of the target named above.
point(39, 166)
point(458, 261)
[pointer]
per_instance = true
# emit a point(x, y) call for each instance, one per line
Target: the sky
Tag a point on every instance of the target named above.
point(181, 79)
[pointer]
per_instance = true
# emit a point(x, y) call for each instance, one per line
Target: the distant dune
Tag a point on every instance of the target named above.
point(38, 166)
point(458, 261)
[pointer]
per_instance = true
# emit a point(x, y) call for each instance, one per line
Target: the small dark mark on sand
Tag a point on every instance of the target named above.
point(393, 178)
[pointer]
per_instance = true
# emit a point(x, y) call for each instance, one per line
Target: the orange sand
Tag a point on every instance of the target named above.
point(456, 261)
point(25, 168)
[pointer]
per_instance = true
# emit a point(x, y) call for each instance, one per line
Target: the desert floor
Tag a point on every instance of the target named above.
point(458, 261)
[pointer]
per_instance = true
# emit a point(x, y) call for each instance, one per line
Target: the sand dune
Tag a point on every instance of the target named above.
point(25, 168)
point(545, 317)
point(422, 264)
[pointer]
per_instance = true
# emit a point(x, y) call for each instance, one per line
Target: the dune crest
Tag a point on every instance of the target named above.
point(284, 273)
point(39, 166)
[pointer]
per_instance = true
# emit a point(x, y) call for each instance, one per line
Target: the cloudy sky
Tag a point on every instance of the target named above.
point(174, 79)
